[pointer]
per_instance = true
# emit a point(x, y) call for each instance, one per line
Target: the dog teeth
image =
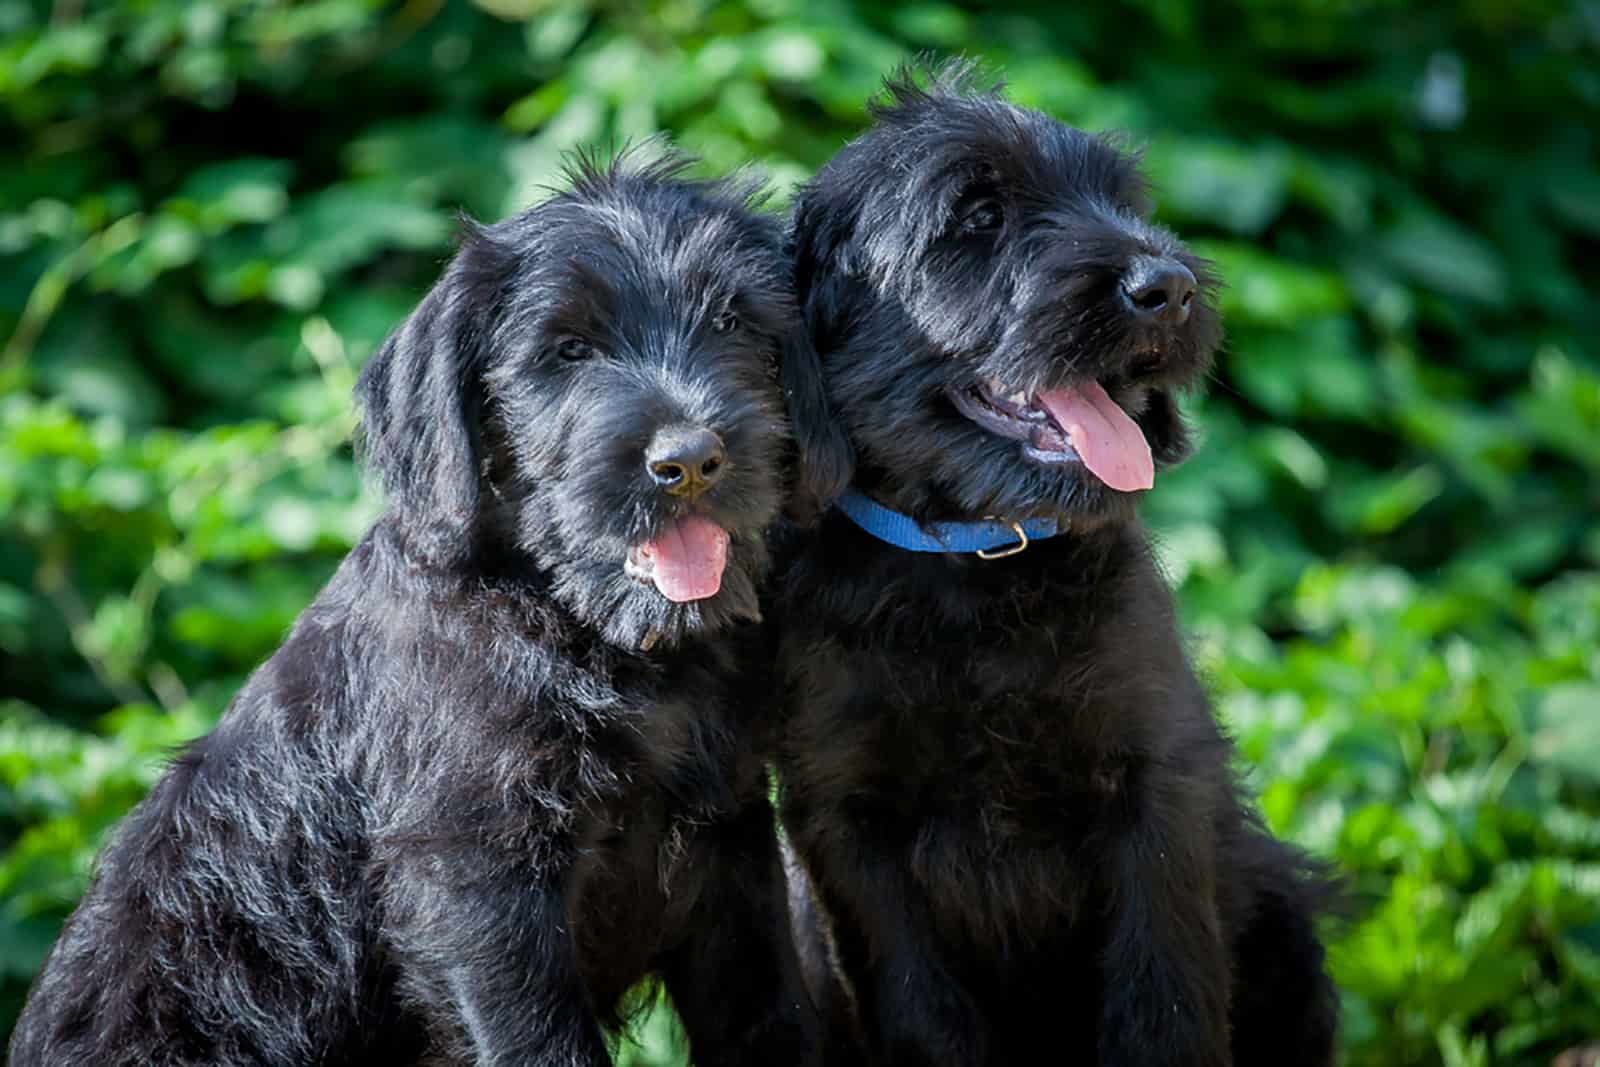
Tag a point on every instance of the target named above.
point(638, 566)
point(1000, 394)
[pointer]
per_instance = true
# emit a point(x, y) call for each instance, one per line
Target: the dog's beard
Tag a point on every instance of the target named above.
point(634, 614)
point(591, 575)
point(920, 454)
point(1081, 424)
point(642, 572)
point(1060, 467)
point(1056, 414)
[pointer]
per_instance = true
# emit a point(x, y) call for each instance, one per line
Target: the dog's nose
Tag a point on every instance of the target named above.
point(1159, 290)
point(685, 460)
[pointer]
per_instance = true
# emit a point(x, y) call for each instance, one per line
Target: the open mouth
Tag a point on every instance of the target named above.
point(1074, 424)
point(684, 561)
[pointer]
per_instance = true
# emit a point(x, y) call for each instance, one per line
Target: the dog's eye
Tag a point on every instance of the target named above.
point(725, 322)
point(574, 349)
point(985, 216)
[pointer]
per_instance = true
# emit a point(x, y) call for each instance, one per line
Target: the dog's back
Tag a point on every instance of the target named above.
point(230, 919)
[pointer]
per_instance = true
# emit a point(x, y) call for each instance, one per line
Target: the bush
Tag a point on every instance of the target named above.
point(211, 212)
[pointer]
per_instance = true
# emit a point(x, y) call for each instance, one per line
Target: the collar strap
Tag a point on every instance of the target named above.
point(983, 538)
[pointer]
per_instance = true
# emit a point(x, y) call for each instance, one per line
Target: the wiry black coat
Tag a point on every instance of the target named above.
point(1016, 810)
point(462, 809)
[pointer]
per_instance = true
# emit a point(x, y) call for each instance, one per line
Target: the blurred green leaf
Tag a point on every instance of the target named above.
point(1240, 189)
point(1566, 729)
point(1438, 253)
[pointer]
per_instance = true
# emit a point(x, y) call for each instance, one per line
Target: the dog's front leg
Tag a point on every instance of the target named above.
point(499, 970)
point(914, 1011)
point(734, 975)
point(1167, 980)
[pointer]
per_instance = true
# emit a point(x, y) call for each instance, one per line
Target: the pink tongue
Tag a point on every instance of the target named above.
point(689, 557)
point(1110, 444)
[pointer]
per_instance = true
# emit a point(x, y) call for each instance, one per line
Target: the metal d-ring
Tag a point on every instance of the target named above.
point(1022, 542)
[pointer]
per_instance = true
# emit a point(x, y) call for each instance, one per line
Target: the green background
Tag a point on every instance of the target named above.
point(1386, 550)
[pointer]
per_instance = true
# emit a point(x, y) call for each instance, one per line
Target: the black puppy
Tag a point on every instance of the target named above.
point(1000, 772)
point(510, 760)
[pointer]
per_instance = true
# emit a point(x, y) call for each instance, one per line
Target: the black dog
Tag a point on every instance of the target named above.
point(1000, 773)
point(511, 758)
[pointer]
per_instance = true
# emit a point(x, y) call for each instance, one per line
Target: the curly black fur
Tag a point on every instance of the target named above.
point(490, 781)
point(1016, 809)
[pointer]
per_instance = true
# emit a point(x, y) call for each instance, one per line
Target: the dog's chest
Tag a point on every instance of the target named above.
point(685, 748)
point(987, 767)
point(1001, 733)
point(676, 746)
point(683, 767)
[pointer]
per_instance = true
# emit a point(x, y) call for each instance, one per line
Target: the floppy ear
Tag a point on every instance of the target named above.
point(421, 397)
point(827, 460)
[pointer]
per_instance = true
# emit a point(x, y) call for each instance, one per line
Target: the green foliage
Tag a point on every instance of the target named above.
point(211, 212)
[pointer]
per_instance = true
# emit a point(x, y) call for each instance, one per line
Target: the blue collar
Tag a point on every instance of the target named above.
point(903, 531)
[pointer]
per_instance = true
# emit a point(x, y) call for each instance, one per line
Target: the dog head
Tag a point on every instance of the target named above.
point(591, 394)
point(1001, 326)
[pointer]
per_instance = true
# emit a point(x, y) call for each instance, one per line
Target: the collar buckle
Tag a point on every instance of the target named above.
point(1009, 550)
